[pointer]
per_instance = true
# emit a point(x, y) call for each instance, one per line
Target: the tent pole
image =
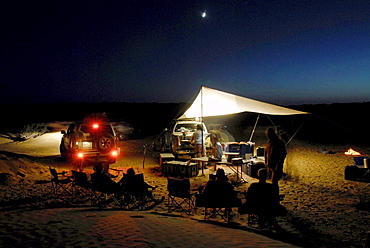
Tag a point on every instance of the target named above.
point(287, 143)
point(254, 128)
point(201, 116)
point(272, 122)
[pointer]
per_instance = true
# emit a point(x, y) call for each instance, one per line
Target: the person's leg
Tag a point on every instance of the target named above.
point(197, 150)
point(276, 176)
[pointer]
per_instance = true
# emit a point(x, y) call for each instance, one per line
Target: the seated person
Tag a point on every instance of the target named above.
point(262, 200)
point(215, 138)
point(103, 182)
point(220, 192)
point(133, 184)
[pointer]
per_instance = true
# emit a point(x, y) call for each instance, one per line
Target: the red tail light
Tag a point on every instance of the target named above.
point(95, 126)
point(114, 153)
point(80, 155)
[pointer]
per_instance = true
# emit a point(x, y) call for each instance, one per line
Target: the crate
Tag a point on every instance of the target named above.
point(180, 169)
point(251, 168)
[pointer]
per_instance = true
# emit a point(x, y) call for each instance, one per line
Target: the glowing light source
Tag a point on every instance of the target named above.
point(80, 155)
point(114, 153)
point(352, 152)
point(95, 126)
point(204, 14)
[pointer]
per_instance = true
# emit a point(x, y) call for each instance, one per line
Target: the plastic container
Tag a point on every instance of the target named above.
point(260, 151)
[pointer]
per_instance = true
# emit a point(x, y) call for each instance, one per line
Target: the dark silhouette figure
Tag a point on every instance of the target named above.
point(275, 154)
point(103, 182)
point(262, 200)
point(219, 191)
point(134, 184)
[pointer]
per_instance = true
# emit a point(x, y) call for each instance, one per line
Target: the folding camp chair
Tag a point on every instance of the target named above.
point(212, 209)
point(217, 207)
point(262, 211)
point(180, 195)
point(60, 186)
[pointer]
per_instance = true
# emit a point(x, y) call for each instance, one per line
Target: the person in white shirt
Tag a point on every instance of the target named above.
point(198, 141)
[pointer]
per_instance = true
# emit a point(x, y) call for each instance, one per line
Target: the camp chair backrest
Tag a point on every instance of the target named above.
point(134, 184)
point(139, 178)
point(80, 178)
point(178, 187)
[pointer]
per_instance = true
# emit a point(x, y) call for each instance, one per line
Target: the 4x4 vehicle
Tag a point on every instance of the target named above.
point(91, 142)
point(176, 138)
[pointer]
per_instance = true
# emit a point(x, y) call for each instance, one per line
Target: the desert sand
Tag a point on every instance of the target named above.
point(323, 208)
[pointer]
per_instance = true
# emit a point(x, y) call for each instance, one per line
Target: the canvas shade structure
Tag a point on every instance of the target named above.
point(211, 102)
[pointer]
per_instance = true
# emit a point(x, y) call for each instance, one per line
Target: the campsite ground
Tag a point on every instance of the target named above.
point(323, 208)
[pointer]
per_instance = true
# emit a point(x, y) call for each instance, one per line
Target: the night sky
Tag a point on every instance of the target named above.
point(279, 51)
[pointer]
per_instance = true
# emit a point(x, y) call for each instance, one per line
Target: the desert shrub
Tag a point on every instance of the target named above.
point(32, 131)
point(5, 178)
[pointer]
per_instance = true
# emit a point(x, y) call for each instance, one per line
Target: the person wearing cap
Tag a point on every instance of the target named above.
point(219, 191)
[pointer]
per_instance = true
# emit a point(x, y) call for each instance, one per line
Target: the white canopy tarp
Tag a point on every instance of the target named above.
point(211, 102)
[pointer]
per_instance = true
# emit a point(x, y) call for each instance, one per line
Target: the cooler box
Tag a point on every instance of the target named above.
point(246, 149)
point(180, 169)
point(252, 168)
point(232, 147)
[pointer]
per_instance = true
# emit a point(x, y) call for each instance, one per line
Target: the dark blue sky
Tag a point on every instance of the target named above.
point(278, 51)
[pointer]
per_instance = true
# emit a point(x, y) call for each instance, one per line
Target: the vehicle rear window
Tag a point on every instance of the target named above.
point(100, 129)
point(186, 127)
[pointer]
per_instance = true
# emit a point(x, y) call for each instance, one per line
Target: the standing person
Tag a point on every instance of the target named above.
point(76, 136)
point(198, 140)
point(275, 154)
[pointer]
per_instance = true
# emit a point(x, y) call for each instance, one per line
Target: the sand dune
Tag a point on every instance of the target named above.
point(323, 207)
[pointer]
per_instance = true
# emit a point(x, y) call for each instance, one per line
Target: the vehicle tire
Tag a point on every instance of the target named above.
point(104, 143)
point(167, 143)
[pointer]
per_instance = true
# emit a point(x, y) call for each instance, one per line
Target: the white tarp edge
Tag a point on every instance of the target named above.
point(211, 102)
